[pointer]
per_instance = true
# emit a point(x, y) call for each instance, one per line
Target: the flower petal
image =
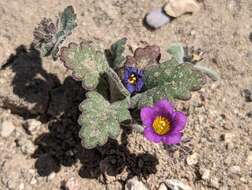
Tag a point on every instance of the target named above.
point(126, 75)
point(164, 107)
point(179, 122)
point(131, 88)
point(140, 73)
point(147, 115)
point(151, 135)
point(172, 138)
point(139, 85)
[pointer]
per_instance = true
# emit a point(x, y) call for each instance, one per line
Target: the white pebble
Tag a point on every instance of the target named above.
point(235, 170)
point(157, 18)
point(162, 187)
point(6, 128)
point(51, 176)
point(175, 184)
point(32, 125)
point(135, 184)
point(192, 159)
point(205, 174)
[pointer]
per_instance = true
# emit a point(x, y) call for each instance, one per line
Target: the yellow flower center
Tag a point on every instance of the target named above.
point(161, 125)
point(132, 79)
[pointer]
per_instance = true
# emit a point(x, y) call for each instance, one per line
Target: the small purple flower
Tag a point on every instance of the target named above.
point(163, 123)
point(133, 79)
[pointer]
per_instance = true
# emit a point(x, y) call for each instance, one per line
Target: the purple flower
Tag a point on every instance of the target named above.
point(163, 123)
point(133, 79)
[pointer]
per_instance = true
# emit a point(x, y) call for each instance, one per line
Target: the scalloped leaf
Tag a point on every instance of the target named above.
point(177, 52)
point(169, 80)
point(116, 53)
point(101, 120)
point(67, 20)
point(48, 36)
point(86, 63)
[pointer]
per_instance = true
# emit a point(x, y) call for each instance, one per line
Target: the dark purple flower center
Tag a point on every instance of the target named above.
point(133, 79)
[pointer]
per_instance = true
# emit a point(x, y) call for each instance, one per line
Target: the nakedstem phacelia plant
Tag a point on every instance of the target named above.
point(119, 86)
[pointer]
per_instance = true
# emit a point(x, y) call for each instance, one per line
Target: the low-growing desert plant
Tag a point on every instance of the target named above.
point(120, 86)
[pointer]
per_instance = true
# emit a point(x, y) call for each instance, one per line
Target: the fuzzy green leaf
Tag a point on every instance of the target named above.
point(117, 89)
point(177, 52)
point(67, 20)
point(87, 64)
point(100, 120)
point(169, 80)
point(48, 36)
point(208, 71)
point(116, 51)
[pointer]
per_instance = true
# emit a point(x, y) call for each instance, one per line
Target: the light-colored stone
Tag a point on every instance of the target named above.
point(192, 159)
point(205, 174)
point(6, 128)
point(174, 184)
point(21, 186)
point(176, 8)
point(51, 176)
point(235, 170)
point(157, 18)
point(32, 125)
point(249, 158)
point(135, 184)
point(214, 181)
point(72, 184)
point(162, 187)
point(229, 137)
point(33, 181)
point(26, 146)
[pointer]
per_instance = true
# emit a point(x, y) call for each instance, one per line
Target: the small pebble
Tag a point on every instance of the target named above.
point(157, 18)
point(21, 186)
point(176, 8)
point(174, 184)
point(215, 182)
point(51, 176)
point(32, 125)
point(26, 146)
point(6, 128)
point(235, 170)
point(249, 158)
point(72, 184)
point(162, 187)
point(135, 184)
point(205, 174)
point(228, 137)
point(192, 159)
point(33, 181)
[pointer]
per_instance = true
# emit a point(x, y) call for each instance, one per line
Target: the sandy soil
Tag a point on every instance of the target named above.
point(39, 101)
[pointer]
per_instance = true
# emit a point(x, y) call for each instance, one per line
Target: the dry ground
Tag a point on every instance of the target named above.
point(34, 92)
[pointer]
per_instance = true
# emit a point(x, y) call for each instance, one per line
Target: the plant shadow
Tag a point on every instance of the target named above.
point(31, 83)
point(57, 104)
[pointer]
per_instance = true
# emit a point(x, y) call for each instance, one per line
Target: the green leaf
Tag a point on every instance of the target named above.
point(208, 71)
point(177, 52)
point(117, 89)
point(86, 63)
point(48, 36)
point(169, 80)
point(100, 120)
point(116, 51)
point(67, 20)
